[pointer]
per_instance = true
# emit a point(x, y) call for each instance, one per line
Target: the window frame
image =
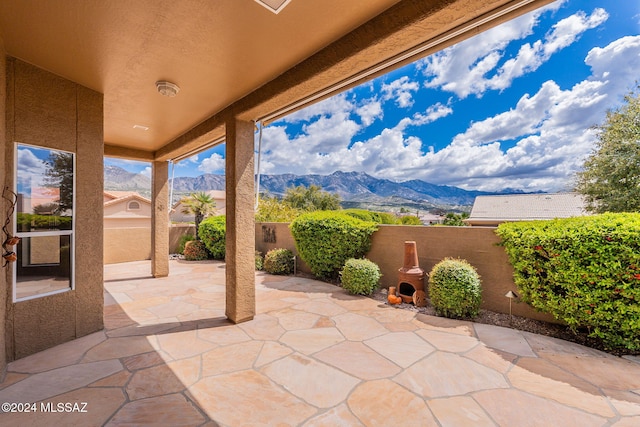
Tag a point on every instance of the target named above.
point(22, 234)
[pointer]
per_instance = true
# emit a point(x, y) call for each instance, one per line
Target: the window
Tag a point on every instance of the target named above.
point(44, 221)
point(133, 206)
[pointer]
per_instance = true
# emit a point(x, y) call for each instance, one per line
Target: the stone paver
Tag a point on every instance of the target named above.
point(312, 356)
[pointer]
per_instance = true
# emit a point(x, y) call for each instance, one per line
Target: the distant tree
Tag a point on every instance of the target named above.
point(610, 180)
point(200, 205)
point(311, 198)
point(272, 209)
point(59, 174)
point(455, 219)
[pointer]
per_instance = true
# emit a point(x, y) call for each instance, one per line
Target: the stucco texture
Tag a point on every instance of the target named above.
point(48, 111)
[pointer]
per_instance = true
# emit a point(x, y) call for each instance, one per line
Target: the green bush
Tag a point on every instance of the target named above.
point(371, 216)
point(360, 276)
point(278, 261)
point(326, 239)
point(35, 222)
point(195, 250)
point(213, 231)
point(183, 240)
point(454, 288)
point(584, 271)
point(259, 261)
point(410, 220)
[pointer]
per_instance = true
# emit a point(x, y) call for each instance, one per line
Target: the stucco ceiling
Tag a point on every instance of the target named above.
point(219, 52)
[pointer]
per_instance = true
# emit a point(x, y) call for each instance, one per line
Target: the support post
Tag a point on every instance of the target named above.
point(240, 239)
point(160, 219)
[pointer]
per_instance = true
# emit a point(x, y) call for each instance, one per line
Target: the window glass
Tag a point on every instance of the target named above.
point(45, 189)
point(43, 266)
point(44, 221)
point(134, 206)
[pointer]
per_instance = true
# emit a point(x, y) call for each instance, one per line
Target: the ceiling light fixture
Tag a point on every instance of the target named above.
point(167, 88)
point(141, 127)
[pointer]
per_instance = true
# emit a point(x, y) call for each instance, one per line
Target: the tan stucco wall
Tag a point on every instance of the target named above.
point(49, 111)
point(127, 244)
point(119, 210)
point(176, 231)
point(4, 293)
point(478, 245)
point(128, 223)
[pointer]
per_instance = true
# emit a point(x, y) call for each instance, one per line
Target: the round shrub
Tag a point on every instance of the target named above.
point(213, 231)
point(278, 261)
point(325, 240)
point(183, 241)
point(259, 260)
point(360, 276)
point(195, 250)
point(454, 288)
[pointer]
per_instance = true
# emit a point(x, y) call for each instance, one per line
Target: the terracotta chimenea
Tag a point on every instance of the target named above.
point(410, 276)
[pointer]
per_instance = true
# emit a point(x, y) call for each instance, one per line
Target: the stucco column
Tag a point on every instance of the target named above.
point(160, 219)
point(240, 244)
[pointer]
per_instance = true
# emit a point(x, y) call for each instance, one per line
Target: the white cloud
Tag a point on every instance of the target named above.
point(433, 113)
point(32, 169)
point(146, 172)
point(370, 111)
point(551, 129)
point(212, 164)
point(473, 66)
point(400, 90)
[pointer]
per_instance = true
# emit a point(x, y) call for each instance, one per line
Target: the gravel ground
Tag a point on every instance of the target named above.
point(517, 322)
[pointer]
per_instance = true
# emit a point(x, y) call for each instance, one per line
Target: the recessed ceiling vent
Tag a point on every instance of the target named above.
point(167, 88)
point(274, 6)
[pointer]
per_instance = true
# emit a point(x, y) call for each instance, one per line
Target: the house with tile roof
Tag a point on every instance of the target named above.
point(491, 211)
point(126, 209)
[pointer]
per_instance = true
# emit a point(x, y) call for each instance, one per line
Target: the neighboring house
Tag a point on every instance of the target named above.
point(125, 209)
point(494, 210)
point(176, 214)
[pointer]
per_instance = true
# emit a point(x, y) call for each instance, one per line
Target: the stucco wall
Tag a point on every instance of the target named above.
point(127, 244)
point(49, 111)
point(478, 245)
point(3, 206)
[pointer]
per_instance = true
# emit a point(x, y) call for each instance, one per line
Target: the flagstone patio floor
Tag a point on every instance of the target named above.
point(313, 356)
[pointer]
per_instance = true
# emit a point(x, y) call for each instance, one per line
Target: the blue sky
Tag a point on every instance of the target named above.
point(510, 108)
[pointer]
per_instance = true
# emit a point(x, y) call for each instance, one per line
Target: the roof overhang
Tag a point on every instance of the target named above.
point(230, 58)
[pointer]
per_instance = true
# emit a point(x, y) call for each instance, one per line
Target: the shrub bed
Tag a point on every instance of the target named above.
point(454, 288)
point(326, 239)
point(278, 261)
point(585, 271)
point(195, 250)
point(213, 231)
point(360, 276)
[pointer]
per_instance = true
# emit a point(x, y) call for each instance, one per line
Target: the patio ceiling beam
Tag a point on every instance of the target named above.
point(128, 153)
point(407, 31)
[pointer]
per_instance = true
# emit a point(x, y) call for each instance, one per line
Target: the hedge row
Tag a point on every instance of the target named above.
point(584, 271)
point(325, 240)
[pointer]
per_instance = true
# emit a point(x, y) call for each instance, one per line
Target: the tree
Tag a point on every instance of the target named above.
point(311, 198)
point(455, 219)
point(271, 209)
point(59, 174)
point(199, 204)
point(610, 179)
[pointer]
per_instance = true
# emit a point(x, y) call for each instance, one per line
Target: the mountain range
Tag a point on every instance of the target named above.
point(356, 189)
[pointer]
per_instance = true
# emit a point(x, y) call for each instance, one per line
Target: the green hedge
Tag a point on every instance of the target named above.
point(371, 216)
point(279, 261)
point(35, 222)
point(326, 239)
point(584, 271)
point(213, 231)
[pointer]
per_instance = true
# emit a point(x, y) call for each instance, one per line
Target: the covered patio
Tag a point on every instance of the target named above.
point(313, 355)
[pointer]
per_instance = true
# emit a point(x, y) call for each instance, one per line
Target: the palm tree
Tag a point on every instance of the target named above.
point(199, 204)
